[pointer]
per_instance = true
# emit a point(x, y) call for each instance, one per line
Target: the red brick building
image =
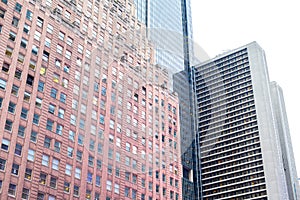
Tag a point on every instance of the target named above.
point(84, 113)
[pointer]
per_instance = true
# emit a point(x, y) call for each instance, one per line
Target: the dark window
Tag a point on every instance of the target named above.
point(12, 36)
point(18, 7)
point(53, 181)
point(28, 173)
point(8, 125)
point(15, 22)
point(1, 101)
point(2, 13)
point(2, 164)
point(47, 142)
point(49, 125)
point(15, 169)
point(18, 74)
point(36, 119)
point(11, 107)
point(29, 79)
point(53, 92)
point(5, 66)
point(33, 136)
point(29, 15)
point(15, 90)
point(12, 189)
point(18, 149)
point(41, 86)
point(63, 97)
point(25, 193)
point(24, 113)
point(43, 178)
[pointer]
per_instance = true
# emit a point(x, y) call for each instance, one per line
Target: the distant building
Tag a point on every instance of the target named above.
point(286, 146)
point(238, 141)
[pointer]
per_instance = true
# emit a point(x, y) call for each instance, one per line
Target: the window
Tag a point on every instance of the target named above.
point(24, 113)
point(53, 92)
point(79, 155)
point(71, 135)
point(89, 178)
point(2, 13)
point(98, 180)
point(12, 189)
point(61, 35)
point(41, 85)
point(18, 149)
point(28, 173)
point(38, 102)
point(40, 22)
point(33, 136)
point(70, 152)
point(53, 181)
point(2, 84)
point(51, 108)
point(40, 196)
point(29, 79)
point(43, 178)
point(67, 187)
point(68, 169)
point(99, 164)
point(57, 145)
point(50, 28)
point(24, 43)
point(26, 28)
point(29, 15)
point(45, 160)
point(2, 164)
point(77, 173)
point(59, 129)
point(59, 49)
point(12, 36)
point(9, 51)
point(18, 75)
point(37, 36)
point(47, 42)
point(117, 188)
point(5, 144)
point(63, 97)
point(30, 155)
point(69, 41)
point(36, 119)
point(5, 67)
point(25, 193)
point(91, 160)
point(55, 164)
point(108, 185)
point(15, 169)
point(76, 190)
point(15, 22)
point(49, 125)
point(11, 107)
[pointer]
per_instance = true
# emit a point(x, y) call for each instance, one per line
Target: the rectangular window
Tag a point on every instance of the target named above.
point(2, 164)
point(55, 164)
point(31, 154)
point(15, 169)
point(36, 119)
point(41, 86)
point(53, 181)
point(29, 15)
point(25, 193)
point(45, 160)
point(2, 84)
point(28, 174)
point(12, 189)
point(18, 149)
point(43, 178)
point(33, 136)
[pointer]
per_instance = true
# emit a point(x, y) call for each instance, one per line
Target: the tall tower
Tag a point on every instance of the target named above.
point(239, 149)
point(286, 146)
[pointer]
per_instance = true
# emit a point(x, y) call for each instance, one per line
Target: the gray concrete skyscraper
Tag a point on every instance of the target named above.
point(243, 143)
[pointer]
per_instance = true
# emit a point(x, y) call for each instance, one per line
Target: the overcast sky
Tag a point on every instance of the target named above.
point(222, 25)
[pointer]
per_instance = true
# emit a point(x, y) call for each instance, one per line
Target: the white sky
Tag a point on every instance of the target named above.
point(221, 25)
